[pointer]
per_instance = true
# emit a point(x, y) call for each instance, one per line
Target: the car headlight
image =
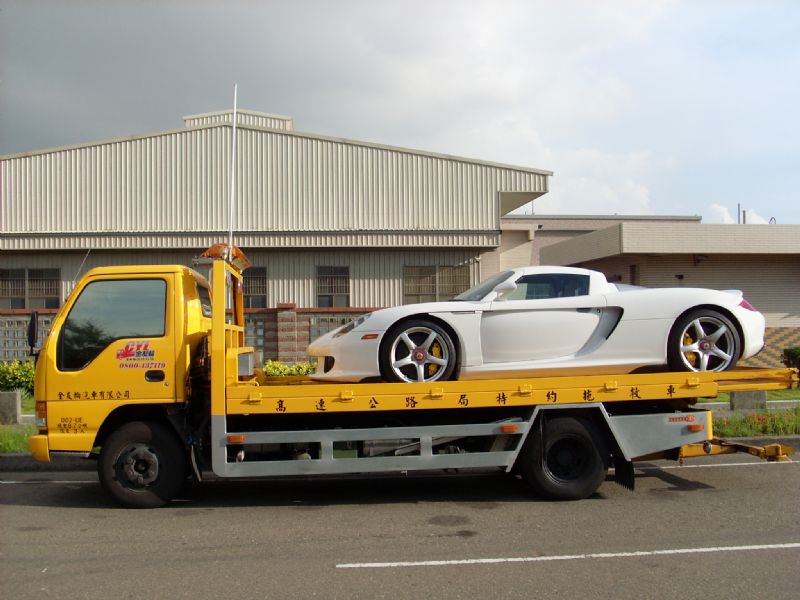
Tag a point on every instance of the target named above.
point(351, 325)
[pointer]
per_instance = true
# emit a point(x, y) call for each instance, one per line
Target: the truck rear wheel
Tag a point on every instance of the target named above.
point(567, 459)
point(142, 465)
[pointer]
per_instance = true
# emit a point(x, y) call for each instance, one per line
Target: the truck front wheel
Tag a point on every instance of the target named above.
point(142, 465)
point(567, 459)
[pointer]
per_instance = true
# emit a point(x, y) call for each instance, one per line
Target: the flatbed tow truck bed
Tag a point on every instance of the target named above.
point(643, 416)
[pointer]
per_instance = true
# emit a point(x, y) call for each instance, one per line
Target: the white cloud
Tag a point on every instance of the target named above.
point(638, 107)
point(717, 213)
point(753, 218)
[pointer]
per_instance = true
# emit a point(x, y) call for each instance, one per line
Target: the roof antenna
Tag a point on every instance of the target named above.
point(78, 272)
point(232, 176)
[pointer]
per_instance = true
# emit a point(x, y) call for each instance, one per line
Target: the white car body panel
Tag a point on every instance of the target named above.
point(607, 330)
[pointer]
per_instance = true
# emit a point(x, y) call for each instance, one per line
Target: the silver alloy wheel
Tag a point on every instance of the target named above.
point(707, 344)
point(419, 354)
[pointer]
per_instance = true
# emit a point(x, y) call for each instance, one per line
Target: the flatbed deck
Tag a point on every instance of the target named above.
point(307, 396)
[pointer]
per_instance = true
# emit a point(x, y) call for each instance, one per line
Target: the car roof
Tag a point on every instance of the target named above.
point(552, 269)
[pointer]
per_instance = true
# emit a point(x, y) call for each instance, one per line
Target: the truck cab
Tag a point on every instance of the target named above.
point(126, 335)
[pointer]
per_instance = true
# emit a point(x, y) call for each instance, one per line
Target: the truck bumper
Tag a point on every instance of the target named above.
point(40, 448)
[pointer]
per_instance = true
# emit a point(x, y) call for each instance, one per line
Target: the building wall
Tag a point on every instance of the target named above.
point(524, 236)
point(770, 283)
point(375, 275)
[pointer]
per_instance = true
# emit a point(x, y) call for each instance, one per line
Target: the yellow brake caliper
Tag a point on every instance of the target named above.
point(436, 350)
point(690, 356)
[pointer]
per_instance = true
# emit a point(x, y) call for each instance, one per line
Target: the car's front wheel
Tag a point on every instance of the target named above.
point(703, 340)
point(417, 351)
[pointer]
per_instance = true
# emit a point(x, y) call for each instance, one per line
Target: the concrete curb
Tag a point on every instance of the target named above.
point(25, 462)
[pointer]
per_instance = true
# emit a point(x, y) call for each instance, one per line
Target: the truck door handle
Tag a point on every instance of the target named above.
point(154, 375)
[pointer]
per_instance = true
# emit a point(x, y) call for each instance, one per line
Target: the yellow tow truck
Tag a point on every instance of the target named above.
point(146, 371)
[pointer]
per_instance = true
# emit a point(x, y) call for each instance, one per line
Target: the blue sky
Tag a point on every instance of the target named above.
point(639, 107)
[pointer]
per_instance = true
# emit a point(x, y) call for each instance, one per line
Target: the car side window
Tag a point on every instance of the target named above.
point(550, 285)
point(109, 310)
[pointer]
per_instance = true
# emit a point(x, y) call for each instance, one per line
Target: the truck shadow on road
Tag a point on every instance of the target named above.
point(675, 483)
point(482, 490)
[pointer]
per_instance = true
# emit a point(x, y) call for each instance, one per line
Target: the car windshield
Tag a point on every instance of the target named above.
point(480, 291)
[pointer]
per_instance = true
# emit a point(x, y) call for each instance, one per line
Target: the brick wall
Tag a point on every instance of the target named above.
point(775, 340)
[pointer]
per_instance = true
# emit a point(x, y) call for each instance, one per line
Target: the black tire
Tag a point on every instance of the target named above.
point(432, 358)
point(703, 340)
point(566, 459)
point(142, 465)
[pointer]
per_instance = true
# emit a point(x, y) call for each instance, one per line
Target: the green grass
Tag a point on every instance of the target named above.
point(785, 422)
point(14, 438)
point(28, 404)
point(771, 396)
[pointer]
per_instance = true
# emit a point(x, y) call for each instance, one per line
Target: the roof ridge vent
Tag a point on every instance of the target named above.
point(246, 118)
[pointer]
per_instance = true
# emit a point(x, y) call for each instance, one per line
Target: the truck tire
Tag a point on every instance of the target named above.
point(565, 459)
point(142, 465)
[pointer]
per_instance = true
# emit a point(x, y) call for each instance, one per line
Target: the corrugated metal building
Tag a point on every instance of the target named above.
point(326, 221)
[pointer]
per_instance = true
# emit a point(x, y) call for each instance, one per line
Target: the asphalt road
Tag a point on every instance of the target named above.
point(717, 528)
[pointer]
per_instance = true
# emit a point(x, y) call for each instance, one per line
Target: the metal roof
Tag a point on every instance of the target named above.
point(293, 189)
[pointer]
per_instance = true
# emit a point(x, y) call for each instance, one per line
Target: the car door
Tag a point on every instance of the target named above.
point(548, 316)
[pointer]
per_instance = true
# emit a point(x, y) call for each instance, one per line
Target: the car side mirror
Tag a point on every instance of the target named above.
point(33, 332)
point(503, 289)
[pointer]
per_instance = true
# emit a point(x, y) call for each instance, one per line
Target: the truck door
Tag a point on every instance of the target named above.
point(116, 343)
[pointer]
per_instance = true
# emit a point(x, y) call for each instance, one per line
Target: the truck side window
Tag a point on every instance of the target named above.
point(107, 311)
point(205, 300)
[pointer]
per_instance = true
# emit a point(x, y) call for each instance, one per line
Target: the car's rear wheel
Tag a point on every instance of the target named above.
point(703, 340)
point(418, 351)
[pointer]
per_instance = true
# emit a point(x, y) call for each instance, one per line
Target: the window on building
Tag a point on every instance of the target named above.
point(30, 288)
point(255, 287)
point(550, 285)
point(433, 283)
point(419, 284)
point(333, 287)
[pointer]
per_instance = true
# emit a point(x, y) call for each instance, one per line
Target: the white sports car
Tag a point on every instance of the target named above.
point(544, 321)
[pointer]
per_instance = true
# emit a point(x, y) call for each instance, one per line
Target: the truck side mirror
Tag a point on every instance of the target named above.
point(33, 331)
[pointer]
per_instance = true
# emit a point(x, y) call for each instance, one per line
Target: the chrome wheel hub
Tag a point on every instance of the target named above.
point(707, 344)
point(419, 354)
